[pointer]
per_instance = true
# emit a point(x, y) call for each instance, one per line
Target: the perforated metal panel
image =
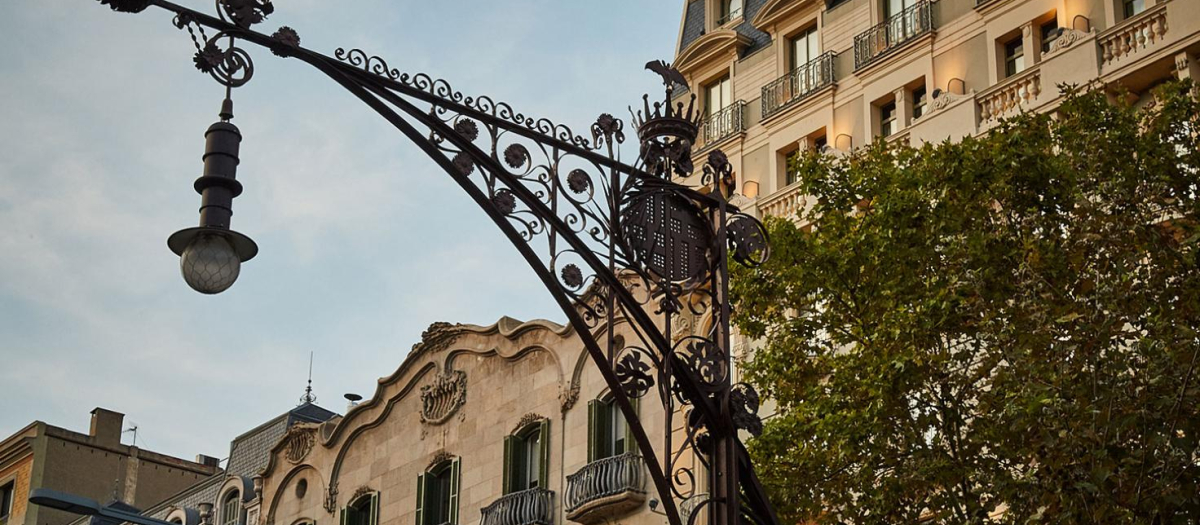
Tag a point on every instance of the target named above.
point(668, 235)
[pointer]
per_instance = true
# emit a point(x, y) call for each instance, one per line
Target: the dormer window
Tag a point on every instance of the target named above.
point(729, 10)
point(231, 508)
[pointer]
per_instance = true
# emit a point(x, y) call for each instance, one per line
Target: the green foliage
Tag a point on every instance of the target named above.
point(999, 330)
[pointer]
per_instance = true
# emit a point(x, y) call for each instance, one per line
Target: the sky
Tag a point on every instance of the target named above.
point(363, 241)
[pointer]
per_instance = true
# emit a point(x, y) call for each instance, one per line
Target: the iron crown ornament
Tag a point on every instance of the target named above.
point(612, 243)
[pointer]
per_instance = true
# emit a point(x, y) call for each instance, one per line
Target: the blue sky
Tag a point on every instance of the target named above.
point(363, 241)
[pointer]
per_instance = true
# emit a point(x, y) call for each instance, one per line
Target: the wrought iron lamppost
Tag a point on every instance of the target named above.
point(610, 241)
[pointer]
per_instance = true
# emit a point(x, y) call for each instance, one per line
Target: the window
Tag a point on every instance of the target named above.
point(805, 47)
point(526, 457)
point(231, 508)
point(1014, 56)
point(730, 9)
point(887, 119)
point(608, 432)
point(1133, 7)
point(919, 101)
point(1049, 32)
point(717, 95)
point(894, 7)
point(437, 494)
point(6, 500)
point(790, 174)
point(362, 511)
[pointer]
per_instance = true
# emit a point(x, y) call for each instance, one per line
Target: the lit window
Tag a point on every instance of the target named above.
point(437, 494)
point(1133, 7)
point(231, 509)
point(887, 119)
point(1050, 32)
point(525, 456)
point(1014, 56)
point(920, 100)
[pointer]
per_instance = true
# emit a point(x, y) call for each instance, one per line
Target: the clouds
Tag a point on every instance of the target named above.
point(364, 242)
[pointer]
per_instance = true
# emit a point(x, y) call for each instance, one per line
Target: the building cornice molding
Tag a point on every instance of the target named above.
point(708, 47)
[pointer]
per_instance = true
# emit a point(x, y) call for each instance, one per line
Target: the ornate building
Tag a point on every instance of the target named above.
point(508, 424)
point(776, 77)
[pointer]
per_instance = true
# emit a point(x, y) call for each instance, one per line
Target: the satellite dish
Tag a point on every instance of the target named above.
point(353, 399)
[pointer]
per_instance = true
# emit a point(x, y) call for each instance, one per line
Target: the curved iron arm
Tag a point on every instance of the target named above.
point(534, 204)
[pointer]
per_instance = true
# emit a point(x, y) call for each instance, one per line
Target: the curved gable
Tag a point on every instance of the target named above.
point(708, 47)
point(778, 10)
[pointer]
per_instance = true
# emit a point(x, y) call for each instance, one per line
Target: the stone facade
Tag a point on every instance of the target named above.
point(455, 398)
point(94, 465)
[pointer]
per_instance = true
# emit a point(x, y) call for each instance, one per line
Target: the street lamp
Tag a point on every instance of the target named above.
point(88, 507)
point(612, 242)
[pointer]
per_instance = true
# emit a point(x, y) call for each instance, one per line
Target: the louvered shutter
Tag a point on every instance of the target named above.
point(374, 516)
point(455, 476)
point(510, 445)
point(420, 499)
point(594, 408)
point(544, 471)
point(630, 444)
point(343, 516)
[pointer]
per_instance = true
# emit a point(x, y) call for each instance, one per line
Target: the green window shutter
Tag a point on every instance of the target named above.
point(343, 516)
point(510, 445)
point(544, 472)
point(420, 499)
point(630, 444)
point(455, 477)
point(374, 518)
point(594, 408)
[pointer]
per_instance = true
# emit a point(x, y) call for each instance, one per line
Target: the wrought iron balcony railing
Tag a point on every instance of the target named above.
point(527, 507)
point(733, 14)
point(894, 32)
point(798, 84)
point(723, 124)
point(603, 479)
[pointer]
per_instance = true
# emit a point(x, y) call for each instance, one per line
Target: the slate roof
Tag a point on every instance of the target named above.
point(693, 25)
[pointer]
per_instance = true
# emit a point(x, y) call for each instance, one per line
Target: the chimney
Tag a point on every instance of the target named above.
point(208, 461)
point(106, 427)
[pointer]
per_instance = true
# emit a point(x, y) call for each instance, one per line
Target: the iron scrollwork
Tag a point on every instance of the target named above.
point(610, 240)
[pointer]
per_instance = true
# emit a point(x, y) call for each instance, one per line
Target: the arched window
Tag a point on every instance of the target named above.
point(231, 508)
point(527, 457)
point(437, 494)
point(362, 511)
point(608, 432)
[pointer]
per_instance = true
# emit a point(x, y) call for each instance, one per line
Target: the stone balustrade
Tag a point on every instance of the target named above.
point(1133, 35)
point(1006, 97)
point(787, 202)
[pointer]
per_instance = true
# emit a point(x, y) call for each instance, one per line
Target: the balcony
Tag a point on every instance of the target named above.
point(893, 33)
point(722, 125)
point(527, 507)
point(729, 17)
point(1133, 35)
point(787, 202)
point(798, 84)
point(605, 489)
point(1009, 95)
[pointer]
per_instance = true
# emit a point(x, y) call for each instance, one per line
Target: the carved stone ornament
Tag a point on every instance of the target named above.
point(437, 337)
point(443, 397)
point(944, 100)
point(331, 497)
point(299, 442)
point(526, 420)
point(1182, 62)
point(362, 491)
point(568, 397)
point(440, 457)
point(1064, 40)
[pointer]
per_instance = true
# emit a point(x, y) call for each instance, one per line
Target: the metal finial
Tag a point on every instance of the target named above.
point(308, 396)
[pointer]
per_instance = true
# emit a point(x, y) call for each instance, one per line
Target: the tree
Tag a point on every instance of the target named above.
point(998, 330)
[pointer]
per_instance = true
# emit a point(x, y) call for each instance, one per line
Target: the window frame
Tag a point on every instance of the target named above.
point(519, 454)
point(371, 511)
point(604, 428)
point(8, 494)
point(232, 498)
point(812, 48)
point(724, 85)
point(887, 119)
point(920, 101)
point(1129, 9)
point(1048, 37)
point(452, 470)
point(1014, 64)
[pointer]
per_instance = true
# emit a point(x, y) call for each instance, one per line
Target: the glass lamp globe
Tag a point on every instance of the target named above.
point(209, 264)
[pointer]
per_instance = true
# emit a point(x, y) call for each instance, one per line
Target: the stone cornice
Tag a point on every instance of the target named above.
point(778, 10)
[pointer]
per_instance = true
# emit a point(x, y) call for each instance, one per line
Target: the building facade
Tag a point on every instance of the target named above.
point(777, 77)
point(228, 491)
point(94, 465)
point(508, 424)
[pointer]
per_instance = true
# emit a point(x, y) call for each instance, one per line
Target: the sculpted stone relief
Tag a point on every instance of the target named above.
point(443, 397)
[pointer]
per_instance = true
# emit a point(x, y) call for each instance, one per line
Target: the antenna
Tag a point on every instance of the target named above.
point(308, 396)
point(133, 429)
